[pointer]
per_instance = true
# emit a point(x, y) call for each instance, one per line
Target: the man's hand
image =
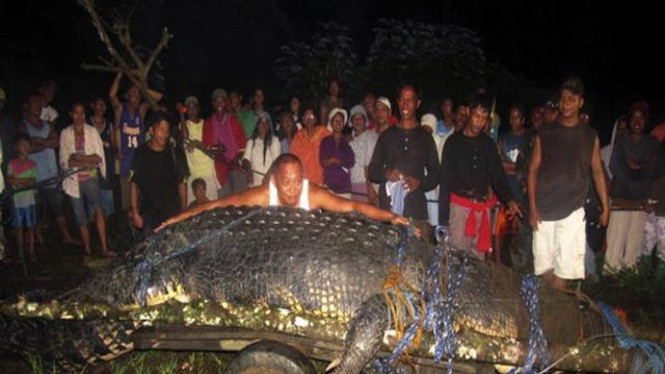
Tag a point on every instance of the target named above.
point(633, 164)
point(412, 183)
point(392, 175)
point(534, 217)
point(400, 221)
point(514, 209)
point(604, 218)
point(137, 220)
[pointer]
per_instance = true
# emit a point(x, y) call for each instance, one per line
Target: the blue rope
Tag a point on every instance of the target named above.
point(144, 267)
point(537, 342)
point(439, 313)
point(654, 354)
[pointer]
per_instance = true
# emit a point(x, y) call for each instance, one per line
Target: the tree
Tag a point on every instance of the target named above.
point(306, 68)
point(134, 64)
point(442, 60)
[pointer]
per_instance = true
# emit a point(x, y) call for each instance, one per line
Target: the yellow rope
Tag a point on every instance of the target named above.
point(395, 282)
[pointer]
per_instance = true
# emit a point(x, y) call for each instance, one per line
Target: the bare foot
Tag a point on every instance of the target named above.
point(109, 254)
point(72, 241)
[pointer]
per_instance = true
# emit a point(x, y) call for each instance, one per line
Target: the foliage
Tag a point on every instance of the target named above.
point(306, 68)
point(440, 59)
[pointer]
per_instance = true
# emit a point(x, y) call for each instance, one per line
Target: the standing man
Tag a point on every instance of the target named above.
point(557, 187)
point(43, 142)
point(157, 186)
point(470, 165)
point(405, 154)
point(47, 92)
point(510, 146)
point(224, 129)
point(129, 131)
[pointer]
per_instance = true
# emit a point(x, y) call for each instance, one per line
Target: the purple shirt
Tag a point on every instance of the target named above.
point(337, 177)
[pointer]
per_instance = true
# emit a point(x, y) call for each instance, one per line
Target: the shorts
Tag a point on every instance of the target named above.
point(561, 246)
point(24, 217)
point(89, 198)
point(54, 198)
point(106, 200)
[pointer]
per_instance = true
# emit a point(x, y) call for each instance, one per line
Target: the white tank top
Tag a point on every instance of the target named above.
point(304, 195)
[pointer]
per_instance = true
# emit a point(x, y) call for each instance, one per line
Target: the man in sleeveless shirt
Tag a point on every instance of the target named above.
point(43, 141)
point(564, 152)
point(129, 131)
point(288, 187)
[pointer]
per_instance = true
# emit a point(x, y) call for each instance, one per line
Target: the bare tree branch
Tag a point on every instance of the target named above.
point(89, 6)
point(109, 69)
point(124, 36)
point(162, 44)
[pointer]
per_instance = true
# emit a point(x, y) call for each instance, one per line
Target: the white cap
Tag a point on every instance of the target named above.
point(384, 100)
point(429, 120)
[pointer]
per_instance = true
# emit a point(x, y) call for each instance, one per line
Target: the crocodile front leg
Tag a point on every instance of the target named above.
point(364, 337)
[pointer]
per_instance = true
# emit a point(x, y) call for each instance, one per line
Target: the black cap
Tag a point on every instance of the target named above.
point(574, 85)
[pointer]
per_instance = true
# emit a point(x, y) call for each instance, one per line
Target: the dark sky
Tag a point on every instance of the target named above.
point(233, 43)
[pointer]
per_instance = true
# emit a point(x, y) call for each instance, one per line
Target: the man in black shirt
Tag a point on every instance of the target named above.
point(404, 152)
point(470, 165)
point(157, 186)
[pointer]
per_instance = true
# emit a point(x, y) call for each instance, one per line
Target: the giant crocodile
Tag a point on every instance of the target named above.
point(309, 273)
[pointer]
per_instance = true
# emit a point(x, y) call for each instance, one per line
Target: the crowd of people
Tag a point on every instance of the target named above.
point(539, 194)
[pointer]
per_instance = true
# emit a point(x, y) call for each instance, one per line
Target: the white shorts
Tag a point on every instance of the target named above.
point(560, 246)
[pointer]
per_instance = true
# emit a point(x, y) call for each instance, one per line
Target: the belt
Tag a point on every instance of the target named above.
point(476, 198)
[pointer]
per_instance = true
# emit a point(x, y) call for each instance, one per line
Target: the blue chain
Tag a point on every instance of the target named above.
point(655, 355)
point(537, 341)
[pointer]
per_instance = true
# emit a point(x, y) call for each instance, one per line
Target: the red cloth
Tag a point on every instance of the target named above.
point(223, 169)
point(485, 238)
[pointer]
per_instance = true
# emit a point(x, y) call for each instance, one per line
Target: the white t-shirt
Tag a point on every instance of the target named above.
point(254, 154)
point(49, 114)
point(363, 148)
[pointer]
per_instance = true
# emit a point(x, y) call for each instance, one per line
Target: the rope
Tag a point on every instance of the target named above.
point(537, 342)
point(438, 315)
point(652, 352)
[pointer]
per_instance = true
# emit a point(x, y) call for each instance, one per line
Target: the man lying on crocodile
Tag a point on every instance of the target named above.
point(288, 187)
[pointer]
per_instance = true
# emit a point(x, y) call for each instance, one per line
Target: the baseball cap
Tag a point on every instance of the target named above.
point(219, 93)
point(574, 85)
point(192, 100)
point(384, 100)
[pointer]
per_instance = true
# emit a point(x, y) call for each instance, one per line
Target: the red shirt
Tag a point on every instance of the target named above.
point(232, 138)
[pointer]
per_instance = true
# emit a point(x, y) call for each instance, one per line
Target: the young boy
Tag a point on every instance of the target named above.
point(22, 172)
point(199, 190)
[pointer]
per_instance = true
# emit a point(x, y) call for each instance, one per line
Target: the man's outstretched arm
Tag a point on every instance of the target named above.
point(321, 198)
point(251, 196)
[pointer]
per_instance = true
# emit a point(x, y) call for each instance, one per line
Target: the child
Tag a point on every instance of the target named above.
point(199, 190)
point(23, 172)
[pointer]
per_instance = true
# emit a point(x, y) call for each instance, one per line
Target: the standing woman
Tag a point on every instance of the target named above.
point(81, 147)
point(261, 150)
point(105, 129)
point(336, 156)
point(287, 131)
point(306, 145)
